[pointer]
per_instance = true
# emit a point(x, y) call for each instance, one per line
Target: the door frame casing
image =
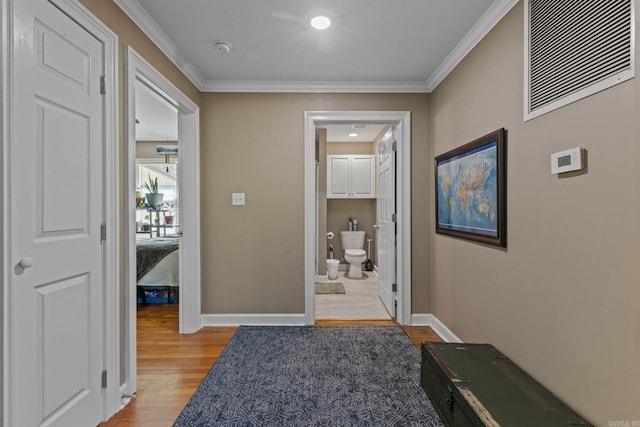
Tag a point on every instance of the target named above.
point(189, 189)
point(402, 121)
point(111, 355)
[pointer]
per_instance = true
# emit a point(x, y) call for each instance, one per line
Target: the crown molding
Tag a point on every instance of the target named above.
point(315, 86)
point(141, 18)
point(491, 17)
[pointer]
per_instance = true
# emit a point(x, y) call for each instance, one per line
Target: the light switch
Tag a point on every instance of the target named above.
point(237, 199)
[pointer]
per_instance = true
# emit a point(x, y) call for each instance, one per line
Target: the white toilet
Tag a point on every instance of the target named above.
point(353, 243)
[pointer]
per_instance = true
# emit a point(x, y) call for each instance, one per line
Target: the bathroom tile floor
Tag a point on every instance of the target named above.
point(360, 302)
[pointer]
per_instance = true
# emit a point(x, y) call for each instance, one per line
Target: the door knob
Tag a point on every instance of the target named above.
point(26, 262)
point(376, 226)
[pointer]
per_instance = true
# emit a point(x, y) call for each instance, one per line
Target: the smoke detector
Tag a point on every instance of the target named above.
point(222, 47)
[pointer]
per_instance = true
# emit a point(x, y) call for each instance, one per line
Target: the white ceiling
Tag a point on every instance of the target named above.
point(157, 119)
point(366, 132)
point(372, 46)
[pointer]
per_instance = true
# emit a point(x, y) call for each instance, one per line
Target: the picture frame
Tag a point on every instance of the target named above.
point(470, 194)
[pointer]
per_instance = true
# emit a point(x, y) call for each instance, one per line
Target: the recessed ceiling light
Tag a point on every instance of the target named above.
point(320, 21)
point(353, 134)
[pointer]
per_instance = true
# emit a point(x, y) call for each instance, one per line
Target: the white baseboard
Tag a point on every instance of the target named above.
point(435, 324)
point(299, 320)
point(253, 319)
point(322, 279)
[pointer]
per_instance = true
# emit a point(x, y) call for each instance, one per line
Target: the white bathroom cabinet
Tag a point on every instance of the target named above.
point(351, 176)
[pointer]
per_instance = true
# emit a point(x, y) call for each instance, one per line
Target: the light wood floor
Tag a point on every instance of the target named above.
point(171, 366)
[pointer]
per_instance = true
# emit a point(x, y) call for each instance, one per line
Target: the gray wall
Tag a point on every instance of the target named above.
point(252, 256)
point(563, 299)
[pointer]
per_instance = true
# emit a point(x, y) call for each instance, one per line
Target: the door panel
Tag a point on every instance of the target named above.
point(56, 210)
point(63, 339)
point(338, 177)
point(386, 226)
point(62, 137)
point(61, 57)
point(363, 176)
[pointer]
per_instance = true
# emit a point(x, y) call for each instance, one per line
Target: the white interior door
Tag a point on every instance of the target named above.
point(386, 224)
point(56, 211)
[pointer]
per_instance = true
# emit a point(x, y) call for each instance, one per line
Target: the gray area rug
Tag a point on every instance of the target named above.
point(313, 376)
point(330, 288)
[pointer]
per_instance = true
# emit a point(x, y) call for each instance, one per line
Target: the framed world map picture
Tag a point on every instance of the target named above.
point(471, 190)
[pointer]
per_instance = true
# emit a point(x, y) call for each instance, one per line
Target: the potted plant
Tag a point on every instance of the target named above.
point(139, 199)
point(146, 226)
point(169, 215)
point(153, 197)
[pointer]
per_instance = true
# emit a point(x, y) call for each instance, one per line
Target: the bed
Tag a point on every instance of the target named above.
point(157, 266)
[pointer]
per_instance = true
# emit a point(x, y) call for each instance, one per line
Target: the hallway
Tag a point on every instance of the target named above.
point(171, 366)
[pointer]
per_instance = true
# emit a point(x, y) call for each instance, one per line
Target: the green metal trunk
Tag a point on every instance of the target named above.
point(476, 385)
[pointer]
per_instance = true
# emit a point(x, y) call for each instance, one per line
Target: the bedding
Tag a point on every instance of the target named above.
point(157, 261)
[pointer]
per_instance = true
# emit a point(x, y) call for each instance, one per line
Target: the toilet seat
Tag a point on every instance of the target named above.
point(355, 252)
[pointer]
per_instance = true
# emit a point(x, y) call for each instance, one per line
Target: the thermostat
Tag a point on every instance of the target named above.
point(566, 161)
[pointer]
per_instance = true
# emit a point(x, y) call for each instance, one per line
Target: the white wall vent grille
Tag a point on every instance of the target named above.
point(575, 48)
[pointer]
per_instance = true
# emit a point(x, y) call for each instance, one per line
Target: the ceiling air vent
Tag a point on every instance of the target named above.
point(575, 49)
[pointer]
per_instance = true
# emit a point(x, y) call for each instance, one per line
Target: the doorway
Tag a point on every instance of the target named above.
point(401, 121)
point(349, 193)
point(157, 198)
point(140, 71)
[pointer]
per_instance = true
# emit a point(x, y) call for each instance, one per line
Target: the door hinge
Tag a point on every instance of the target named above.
point(104, 379)
point(103, 232)
point(394, 146)
point(394, 287)
point(394, 217)
point(103, 85)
